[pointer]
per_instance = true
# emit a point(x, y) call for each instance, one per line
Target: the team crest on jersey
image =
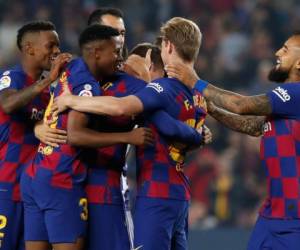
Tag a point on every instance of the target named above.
point(5, 82)
point(282, 94)
point(155, 86)
point(85, 93)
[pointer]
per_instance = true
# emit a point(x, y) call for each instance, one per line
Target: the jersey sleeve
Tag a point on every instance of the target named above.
point(175, 130)
point(10, 80)
point(85, 86)
point(285, 100)
point(154, 97)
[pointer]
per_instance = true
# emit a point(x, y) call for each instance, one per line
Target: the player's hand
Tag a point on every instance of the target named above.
point(50, 136)
point(141, 136)
point(58, 64)
point(138, 66)
point(207, 135)
point(184, 73)
point(61, 103)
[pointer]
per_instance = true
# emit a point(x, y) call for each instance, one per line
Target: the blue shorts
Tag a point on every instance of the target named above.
point(161, 224)
point(11, 225)
point(53, 214)
point(107, 228)
point(275, 234)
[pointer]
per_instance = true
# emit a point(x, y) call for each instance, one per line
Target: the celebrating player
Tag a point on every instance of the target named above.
point(24, 95)
point(274, 116)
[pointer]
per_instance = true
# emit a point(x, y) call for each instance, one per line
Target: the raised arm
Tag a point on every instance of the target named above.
point(231, 101)
point(12, 99)
point(251, 125)
point(236, 103)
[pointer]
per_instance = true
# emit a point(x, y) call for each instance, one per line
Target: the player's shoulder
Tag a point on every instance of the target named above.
point(162, 84)
point(78, 72)
point(287, 91)
point(14, 76)
point(130, 80)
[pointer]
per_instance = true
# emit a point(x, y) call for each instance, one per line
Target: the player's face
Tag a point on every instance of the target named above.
point(117, 23)
point(287, 58)
point(110, 57)
point(46, 48)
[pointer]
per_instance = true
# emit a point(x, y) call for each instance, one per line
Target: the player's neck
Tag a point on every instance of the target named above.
point(31, 70)
point(293, 77)
point(94, 70)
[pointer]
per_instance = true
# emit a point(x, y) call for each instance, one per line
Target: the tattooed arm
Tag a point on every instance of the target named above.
point(251, 125)
point(233, 102)
point(238, 104)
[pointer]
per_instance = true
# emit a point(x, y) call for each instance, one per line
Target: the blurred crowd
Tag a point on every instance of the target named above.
point(239, 41)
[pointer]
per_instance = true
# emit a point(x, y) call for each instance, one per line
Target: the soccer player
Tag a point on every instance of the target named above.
point(163, 193)
point(112, 17)
point(274, 116)
point(52, 188)
point(24, 95)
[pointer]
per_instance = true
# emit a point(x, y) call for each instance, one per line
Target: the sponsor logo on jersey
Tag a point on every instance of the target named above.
point(282, 94)
point(155, 86)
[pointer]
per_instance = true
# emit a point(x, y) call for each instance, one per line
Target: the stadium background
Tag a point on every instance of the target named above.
point(240, 38)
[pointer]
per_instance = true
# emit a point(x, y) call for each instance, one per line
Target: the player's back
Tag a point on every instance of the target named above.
point(18, 144)
point(161, 166)
point(63, 166)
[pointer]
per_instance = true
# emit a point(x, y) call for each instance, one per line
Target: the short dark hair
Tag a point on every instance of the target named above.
point(96, 32)
point(141, 50)
point(97, 14)
point(33, 27)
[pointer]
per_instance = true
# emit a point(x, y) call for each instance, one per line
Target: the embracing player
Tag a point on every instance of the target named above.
point(24, 94)
point(275, 116)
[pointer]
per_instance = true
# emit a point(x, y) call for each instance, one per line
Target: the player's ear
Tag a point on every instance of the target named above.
point(170, 47)
point(298, 64)
point(28, 48)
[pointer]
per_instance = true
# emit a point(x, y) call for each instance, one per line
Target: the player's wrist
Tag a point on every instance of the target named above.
point(201, 85)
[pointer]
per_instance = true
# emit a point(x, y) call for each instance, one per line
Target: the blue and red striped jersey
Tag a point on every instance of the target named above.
point(161, 166)
point(63, 166)
point(18, 144)
point(280, 153)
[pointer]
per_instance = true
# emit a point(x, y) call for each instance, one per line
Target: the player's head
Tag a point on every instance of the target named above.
point(288, 60)
point(100, 46)
point(112, 17)
point(180, 38)
point(156, 66)
point(38, 41)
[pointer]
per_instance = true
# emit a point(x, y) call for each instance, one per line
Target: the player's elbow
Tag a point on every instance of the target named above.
point(7, 108)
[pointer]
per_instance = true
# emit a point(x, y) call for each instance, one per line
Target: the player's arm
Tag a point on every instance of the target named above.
point(251, 125)
point(12, 99)
point(176, 130)
point(233, 102)
point(101, 105)
point(80, 135)
point(149, 99)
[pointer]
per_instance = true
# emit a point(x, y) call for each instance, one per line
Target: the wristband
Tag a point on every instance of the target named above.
point(201, 85)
